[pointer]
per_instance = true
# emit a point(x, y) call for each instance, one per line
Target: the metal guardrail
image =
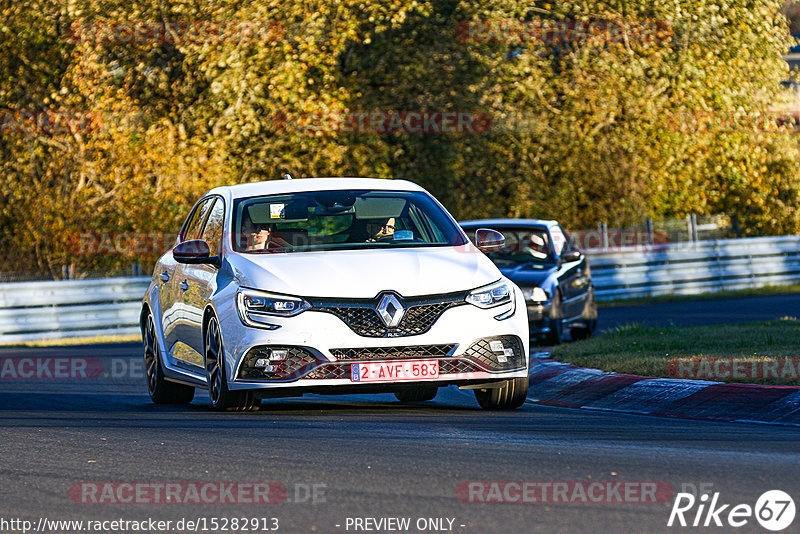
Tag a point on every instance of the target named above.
point(33, 311)
point(694, 268)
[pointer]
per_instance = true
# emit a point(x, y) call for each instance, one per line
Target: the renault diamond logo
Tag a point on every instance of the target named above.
point(391, 310)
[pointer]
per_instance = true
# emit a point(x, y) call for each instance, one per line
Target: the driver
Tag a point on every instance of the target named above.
point(537, 247)
point(380, 230)
point(262, 237)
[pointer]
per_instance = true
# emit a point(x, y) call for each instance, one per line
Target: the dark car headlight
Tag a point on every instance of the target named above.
point(256, 307)
point(535, 294)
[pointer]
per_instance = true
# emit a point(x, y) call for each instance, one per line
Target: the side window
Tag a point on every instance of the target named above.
point(559, 239)
point(212, 234)
point(195, 225)
point(426, 228)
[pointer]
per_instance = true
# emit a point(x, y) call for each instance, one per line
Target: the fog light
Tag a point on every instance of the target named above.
point(278, 355)
point(263, 364)
point(496, 346)
point(508, 352)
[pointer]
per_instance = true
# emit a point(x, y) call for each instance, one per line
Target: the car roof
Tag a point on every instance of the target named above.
point(508, 223)
point(275, 187)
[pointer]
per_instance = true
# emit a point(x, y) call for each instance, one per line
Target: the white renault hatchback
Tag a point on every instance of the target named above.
point(331, 285)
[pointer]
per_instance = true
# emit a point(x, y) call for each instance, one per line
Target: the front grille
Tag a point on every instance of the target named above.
point(482, 353)
point(363, 319)
point(393, 353)
point(297, 362)
point(451, 367)
point(330, 370)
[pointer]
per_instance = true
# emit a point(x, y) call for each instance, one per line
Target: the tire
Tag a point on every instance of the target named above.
point(161, 390)
point(578, 334)
point(590, 316)
point(417, 395)
point(223, 399)
point(553, 337)
point(511, 395)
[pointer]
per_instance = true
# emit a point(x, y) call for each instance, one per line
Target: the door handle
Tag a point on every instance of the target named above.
point(164, 276)
point(184, 285)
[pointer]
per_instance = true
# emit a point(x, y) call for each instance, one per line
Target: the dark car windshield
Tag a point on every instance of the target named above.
point(347, 219)
point(524, 245)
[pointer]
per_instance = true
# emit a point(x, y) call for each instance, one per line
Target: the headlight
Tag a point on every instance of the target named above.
point(535, 294)
point(492, 295)
point(256, 307)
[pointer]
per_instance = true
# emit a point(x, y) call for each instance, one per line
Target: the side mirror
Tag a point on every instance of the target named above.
point(489, 240)
point(572, 255)
point(195, 251)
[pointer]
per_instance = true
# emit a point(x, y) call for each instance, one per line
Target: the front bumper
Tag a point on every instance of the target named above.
point(320, 349)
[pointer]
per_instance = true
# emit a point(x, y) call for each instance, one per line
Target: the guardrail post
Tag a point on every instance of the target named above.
point(691, 221)
point(66, 272)
point(649, 226)
point(136, 269)
point(604, 235)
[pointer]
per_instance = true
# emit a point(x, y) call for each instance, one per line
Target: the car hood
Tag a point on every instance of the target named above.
point(527, 274)
point(365, 273)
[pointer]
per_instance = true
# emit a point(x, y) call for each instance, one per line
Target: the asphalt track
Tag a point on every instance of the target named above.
point(369, 456)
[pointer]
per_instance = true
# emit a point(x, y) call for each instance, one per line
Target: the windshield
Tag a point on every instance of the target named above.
point(524, 245)
point(348, 219)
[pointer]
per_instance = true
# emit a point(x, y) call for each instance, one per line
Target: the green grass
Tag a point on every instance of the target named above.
point(653, 351)
point(753, 292)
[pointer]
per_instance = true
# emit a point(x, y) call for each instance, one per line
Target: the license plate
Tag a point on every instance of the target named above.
point(394, 371)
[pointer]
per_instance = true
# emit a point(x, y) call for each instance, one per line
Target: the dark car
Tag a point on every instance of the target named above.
point(554, 276)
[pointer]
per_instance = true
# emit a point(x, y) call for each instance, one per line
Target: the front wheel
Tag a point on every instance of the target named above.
point(590, 316)
point(510, 395)
point(161, 390)
point(584, 332)
point(222, 398)
point(417, 395)
point(555, 322)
